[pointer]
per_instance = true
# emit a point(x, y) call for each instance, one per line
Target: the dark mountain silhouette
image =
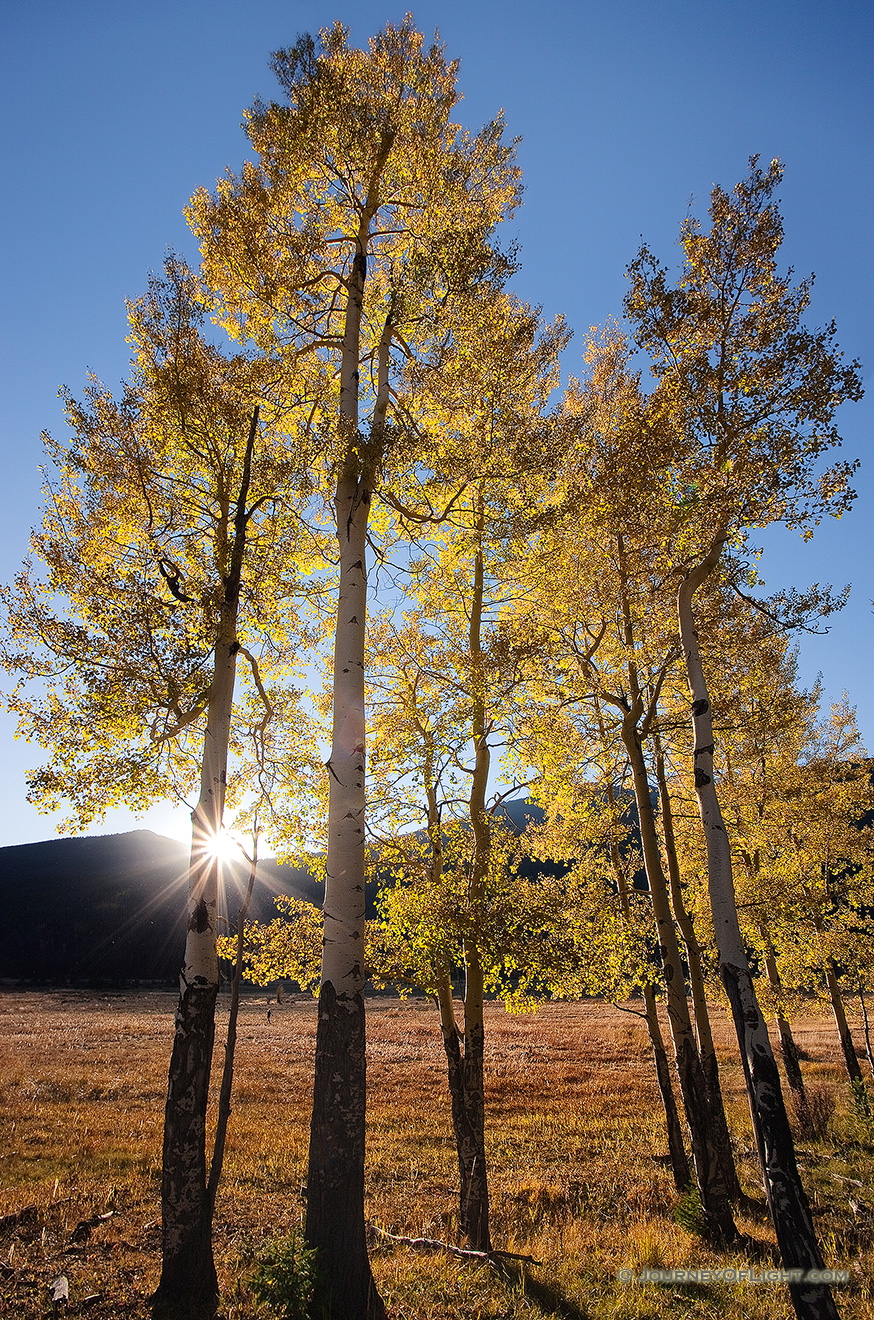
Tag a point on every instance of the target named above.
point(109, 910)
point(112, 908)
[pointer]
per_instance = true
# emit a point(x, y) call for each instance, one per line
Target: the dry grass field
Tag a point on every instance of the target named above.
point(575, 1145)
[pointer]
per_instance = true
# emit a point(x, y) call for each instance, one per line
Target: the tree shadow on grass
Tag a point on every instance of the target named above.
point(551, 1300)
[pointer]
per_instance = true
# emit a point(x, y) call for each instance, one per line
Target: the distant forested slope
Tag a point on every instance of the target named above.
point(110, 909)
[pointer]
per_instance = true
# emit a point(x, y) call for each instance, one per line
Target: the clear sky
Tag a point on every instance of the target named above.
point(112, 114)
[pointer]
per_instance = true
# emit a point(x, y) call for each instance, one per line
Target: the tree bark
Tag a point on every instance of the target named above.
point(720, 1226)
point(188, 1283)
point(335, 1224)
point(676, 1148)
point(706, 1048)
point(787, 1201)
point(465, 1073)
point(472, 1168)
point(848, 1049)
point(788, 1048)
point(868, 1050)
point(227, 1083)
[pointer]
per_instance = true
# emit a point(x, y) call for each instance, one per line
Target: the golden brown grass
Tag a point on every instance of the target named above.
point(575, 1140)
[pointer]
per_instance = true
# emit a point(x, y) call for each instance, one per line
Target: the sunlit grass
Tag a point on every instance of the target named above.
point(575, 1146)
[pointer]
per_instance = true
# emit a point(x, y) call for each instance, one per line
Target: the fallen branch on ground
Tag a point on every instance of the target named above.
point(434, 1244)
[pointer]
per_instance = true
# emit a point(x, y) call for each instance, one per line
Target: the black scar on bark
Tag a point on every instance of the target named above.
point(700, 707)
point(199, 919)
point(704, 751)
point(701, 779)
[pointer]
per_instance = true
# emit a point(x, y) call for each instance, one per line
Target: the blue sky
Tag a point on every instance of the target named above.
point(112, 114)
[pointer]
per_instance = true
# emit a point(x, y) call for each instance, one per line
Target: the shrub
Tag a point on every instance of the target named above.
point(813, 1111)
point(285, 1278)
point(688, 1212)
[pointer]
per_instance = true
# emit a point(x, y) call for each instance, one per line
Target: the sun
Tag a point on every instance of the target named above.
point(222, 848)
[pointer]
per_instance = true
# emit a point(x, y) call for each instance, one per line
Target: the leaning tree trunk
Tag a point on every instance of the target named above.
point(869, 1052)
point(720, 1226)
point(676, 1148)
point(227, 1082)
point(787, 1201)
point(706, 1048)
point(788, 1048)
point(848, 1049)
point(188, 1285)
point(719, 1223)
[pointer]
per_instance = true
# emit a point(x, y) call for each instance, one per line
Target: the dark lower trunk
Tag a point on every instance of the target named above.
point(468, 1121)
point(791, 1061)
point(721, 1134)
point(188, 1286)
point(676, 1149)
point(868, 1051)
point(787, 1201)
point(848, 1049)
point(719, 1223)
point(335, 1182)
point(790, 1211)
point(720, 1226)
point(788, 1048)
point(707, 1053)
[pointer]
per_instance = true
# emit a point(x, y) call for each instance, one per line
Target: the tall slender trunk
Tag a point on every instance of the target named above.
point(227, 1082)
point(676, 1148)
point(848, 1049)
point(335, 1182)
point(464, 1057)
point(335, 1224)
point(693, 1084)
point(706, 1048)
point(868, 1050)
point(788, 1048)
point(472, 1152)
point(188, 1285)
point(718, 1218)
point(787, 1201)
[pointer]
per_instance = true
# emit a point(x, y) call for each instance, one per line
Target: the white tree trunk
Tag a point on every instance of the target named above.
point(335, 1180)
point(188, 1270)
point(188, 1276)
point(787, 1201)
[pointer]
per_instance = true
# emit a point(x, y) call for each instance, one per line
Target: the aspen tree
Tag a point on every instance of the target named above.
point(763, 715)
point(694, 961)
point(588, 821)
point(367, 216)
point(604, 602)
point(168, 563)
point(752, 394)
point(485, 401)
point(827, 865)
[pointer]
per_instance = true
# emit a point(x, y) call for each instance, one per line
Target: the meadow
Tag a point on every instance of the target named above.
point(575, 1144)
